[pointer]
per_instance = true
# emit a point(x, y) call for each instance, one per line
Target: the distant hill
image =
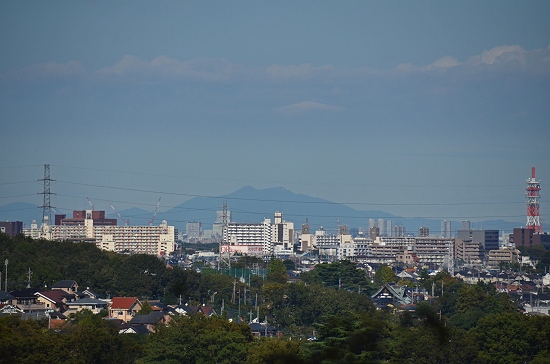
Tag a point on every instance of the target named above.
point(249, 204)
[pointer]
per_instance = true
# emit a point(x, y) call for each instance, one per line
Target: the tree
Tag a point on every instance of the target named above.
point(277, 272)
point(384, 274)
point(146, 308)
point(198, 339)
point(275, 351)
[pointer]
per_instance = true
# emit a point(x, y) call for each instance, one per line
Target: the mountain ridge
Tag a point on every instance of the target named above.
point(251, 205)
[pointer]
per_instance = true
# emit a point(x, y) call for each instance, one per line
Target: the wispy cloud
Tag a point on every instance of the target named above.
point(166, 67)
point(505, 58)
point(306, 106)
point(502, 58)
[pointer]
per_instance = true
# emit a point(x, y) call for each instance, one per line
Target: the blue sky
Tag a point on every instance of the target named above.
point(424, 108)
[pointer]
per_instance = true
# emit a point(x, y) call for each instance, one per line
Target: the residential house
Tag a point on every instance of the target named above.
point(124, 308)
point(26, 300)
point(87, 303)
point(191, 310)
point(6, 298)
point(150, 320)
point(68, 286)
point(262, 330)
point(54, 300)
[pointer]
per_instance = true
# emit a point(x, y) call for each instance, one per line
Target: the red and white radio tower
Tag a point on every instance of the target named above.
point(533, 203)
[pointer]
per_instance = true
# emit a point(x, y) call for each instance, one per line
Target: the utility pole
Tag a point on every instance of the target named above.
point(29, 281)
point(6, 286)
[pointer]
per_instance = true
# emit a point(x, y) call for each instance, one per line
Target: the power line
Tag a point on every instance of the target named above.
point(287, 201)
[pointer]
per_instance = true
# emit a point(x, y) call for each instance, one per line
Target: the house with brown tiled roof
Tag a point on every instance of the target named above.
point(124, 308)
point(54, 300)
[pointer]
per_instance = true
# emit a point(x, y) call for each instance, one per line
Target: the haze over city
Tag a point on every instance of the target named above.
point(421, 109)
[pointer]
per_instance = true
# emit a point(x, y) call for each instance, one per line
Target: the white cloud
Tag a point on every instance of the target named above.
point(306, 106)
point(501, 58)
point(501, 54)
point(166, 67)
point(505, 58)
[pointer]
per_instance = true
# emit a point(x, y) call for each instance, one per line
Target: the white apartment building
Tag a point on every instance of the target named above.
point(385, 249)
point(264, 238)
point(153, 240)
point(435, 251)
point(33, 231)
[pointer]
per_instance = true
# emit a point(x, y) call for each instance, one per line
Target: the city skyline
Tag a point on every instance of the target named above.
point(419, 110)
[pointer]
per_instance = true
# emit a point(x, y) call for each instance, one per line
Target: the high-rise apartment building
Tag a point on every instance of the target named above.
point(399, 231)
point(446, 229)
point(193, 229)
point(264, 238)
point(423, 231)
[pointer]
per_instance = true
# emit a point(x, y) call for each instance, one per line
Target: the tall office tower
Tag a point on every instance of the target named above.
point(533, 203)
point(373, 233)
point(446, 229)
point(193, 229)
point(389, 227)
point(343, 230)
point(382, 227)
point(371, 224)
point(423, 231)
point(465, 225)
point(399, 231)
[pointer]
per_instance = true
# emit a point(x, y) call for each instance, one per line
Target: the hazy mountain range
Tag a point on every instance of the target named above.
point(252, 205)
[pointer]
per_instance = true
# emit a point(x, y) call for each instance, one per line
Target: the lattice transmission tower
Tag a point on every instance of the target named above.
point(46, 197)
point(224, 258)
point(533, 203)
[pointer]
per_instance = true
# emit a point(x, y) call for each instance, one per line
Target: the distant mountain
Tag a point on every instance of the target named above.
point(252, 205)
point(249, 204)
point(136, 216)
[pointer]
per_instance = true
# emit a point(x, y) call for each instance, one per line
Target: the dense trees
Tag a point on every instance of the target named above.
point(331, 306)
point(343, 274)
point(87, 338)
point(198, 339)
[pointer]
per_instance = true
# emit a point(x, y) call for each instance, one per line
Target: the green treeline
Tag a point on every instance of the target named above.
point(327, 317)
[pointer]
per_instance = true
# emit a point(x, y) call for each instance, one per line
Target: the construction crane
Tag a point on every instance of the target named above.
point(90, 202)
point(155, 213)
point(126, 221)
